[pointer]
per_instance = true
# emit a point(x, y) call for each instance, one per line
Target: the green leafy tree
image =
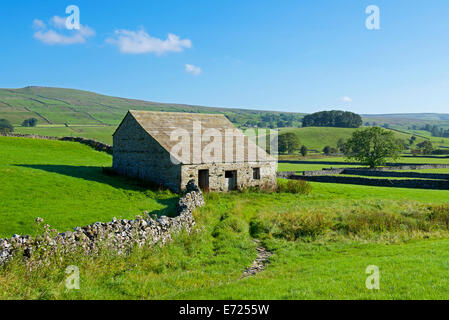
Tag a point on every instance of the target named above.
point(341, 145)
point(334, 118)
point(32, 122)
point(373, 146)
point(425, 147)
point(329, 150)
point(304, 151)
point(403, 143)
point(288, 143)
point(6, 126)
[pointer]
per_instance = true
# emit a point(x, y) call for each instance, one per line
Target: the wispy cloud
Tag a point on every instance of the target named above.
point(140, 42)
point(190, 68)
point(59, 34)
point(58, 22)
point(345, 99)
point(39, 24)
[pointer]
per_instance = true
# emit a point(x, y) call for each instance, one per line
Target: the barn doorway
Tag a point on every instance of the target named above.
point(203, 179)
point(231, 180)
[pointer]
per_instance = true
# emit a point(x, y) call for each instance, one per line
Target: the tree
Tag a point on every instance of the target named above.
point(288, 143)
point(329, 150)
point(31, 122)
point(373, 146)
point(412, 140)
point(304, 151)
point(335, 118)
point(425, 147)
point(341, 145)
point(403, 144)
point(6, 126)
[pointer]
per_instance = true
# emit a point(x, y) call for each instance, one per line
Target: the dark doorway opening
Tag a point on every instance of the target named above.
point(203, 179)
point(231, 180)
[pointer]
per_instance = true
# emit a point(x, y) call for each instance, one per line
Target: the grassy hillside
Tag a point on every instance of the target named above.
point(405, 120)
point(99, 133)
point(63, 183)
point(316, 138)
point(76, 107)
point(68, 112)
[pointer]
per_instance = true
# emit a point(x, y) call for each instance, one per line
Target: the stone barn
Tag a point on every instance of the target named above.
point(171, 148)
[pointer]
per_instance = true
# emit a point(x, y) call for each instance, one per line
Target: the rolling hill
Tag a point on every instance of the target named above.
point(406, 121)
point(53, 106)
point(69, 112)
point(316, 138)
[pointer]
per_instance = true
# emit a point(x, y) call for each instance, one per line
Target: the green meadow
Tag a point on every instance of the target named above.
point(316, 138)
point(63, 183)
point(322, 242)
point(99, 133)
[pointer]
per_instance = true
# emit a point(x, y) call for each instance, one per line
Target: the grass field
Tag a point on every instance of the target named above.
point(208, 263)
point(62, 182)
point(99, 133)
point(316, 138)
point(322, 242)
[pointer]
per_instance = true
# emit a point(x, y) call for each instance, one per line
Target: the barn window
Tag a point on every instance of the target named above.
point(256, 173)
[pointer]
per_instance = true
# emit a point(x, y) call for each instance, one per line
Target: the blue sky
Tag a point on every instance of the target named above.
point(288, 55)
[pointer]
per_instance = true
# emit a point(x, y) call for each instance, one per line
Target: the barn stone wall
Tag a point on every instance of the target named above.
point(217, 180)
point(137, 154)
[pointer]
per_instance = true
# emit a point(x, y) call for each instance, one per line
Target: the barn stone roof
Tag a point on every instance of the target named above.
point(161, 125)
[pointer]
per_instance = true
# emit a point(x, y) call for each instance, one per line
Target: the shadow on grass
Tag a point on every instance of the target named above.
point(97, 174)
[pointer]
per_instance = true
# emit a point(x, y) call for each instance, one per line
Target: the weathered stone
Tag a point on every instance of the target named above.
point(117, 235)
point(143, 149)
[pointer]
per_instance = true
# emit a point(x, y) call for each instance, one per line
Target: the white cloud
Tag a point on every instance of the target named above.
point(58, 22)
point(39, 24)
point(139, 42)
point(62, 36)
point(190, 68)
point(345, 99)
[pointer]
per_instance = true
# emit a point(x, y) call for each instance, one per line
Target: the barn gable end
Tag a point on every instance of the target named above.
point(137, 154)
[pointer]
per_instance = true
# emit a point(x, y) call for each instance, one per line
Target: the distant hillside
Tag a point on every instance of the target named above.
point(76, 107)
point(408, 120)
point(414, 116)
point(316, 138)
point(69, 112)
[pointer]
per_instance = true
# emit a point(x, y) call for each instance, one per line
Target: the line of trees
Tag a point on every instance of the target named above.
point(289, 143)
point(270, 120)
point(436, 131)
point(334, 118)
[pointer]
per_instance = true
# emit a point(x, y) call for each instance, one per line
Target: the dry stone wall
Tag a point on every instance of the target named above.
point(117, 235)
point(99, 146)
point(406, 183)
